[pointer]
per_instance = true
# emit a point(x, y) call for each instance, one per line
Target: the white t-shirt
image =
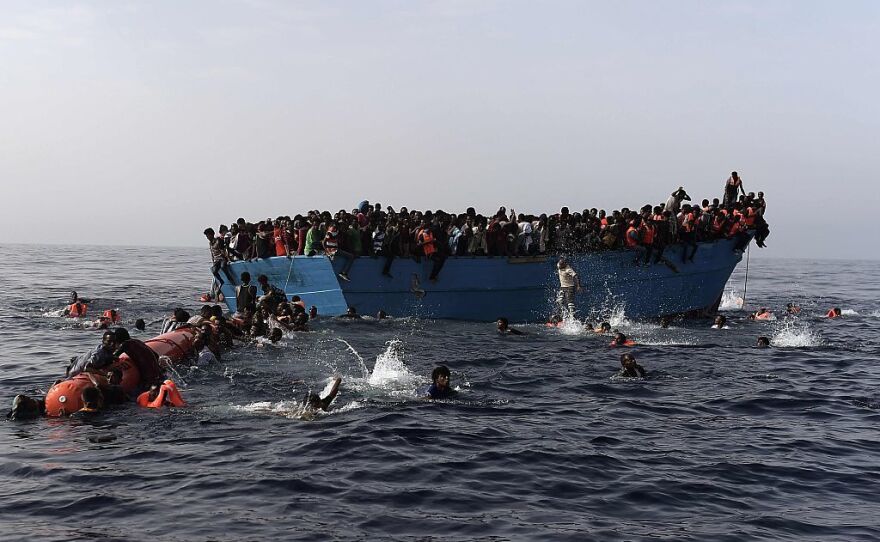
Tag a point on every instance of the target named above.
point(567, 278)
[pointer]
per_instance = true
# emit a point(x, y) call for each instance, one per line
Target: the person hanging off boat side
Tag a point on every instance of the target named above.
point(569, 285)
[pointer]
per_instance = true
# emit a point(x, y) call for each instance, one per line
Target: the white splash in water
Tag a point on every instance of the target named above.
point(731, 301)
point(571, 326)
point(849, 312)
point(795, 334)
point(618, 317)
point(390, 371)
point(875, 314)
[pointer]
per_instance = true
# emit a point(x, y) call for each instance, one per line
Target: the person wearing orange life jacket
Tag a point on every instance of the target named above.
point(165, 394)
point(633, 237)
point(621, 340)
point(687, 233)
point(834, 312)
point(332, 248)
point(77, 308)
point(731, 187)
point(648, 232)
point(280, 239)
point(427, 240)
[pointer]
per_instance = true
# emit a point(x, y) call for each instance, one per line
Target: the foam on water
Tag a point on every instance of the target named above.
point(849, 312)
point(791, 333)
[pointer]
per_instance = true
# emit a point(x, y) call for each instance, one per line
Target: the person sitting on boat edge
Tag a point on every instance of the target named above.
point(629, 368)
point(440, 384)
point(503, 326)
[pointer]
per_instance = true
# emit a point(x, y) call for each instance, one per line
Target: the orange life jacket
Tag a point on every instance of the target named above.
point(647, 234)
point(111, 315)
point(77, 309)
point(628, 239)
point(749, 217)
point(687, 222)
point(763, 316)
point(628, 342)
point(427, 240)
point(831, 314)
point(168, 394)
point(734, 228)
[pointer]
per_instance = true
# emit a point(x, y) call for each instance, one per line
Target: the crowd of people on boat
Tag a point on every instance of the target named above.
point(371, 230)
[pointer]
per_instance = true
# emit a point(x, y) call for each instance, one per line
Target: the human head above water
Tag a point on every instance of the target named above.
point(440, 376)
point(502, 323)
point(627, 360)
point(763, 342)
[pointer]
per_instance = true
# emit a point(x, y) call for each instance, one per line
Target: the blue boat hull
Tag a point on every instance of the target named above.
point(521, 289)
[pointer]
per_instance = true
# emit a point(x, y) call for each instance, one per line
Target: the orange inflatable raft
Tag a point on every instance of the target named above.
point(64, 398)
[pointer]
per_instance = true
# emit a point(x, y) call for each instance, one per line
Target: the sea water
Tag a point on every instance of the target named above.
point(722, 441)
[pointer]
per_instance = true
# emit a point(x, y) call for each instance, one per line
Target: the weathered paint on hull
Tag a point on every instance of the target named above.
point(521, 289)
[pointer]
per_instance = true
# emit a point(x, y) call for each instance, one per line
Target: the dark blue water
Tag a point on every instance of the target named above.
point(723, 441)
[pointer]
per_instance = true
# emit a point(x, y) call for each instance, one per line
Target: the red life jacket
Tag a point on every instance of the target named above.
point(734, 228)
point(427, 240)
point(631, 241)
point(749, 217)
point(628, 342)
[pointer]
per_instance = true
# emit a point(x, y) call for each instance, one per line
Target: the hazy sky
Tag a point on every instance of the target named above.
point(145, 122)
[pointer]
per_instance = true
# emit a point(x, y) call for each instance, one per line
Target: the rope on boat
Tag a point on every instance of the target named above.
point(289, 269)
point(746, 283)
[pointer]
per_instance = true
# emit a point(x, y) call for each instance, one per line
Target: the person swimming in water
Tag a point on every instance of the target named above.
point(763, 342)
point(351, 313)
point(834, 312)
point(440, 388)
point(621, 340)
point(315, 402)
point(604, 327)
point(791, 308)
point(629, 368)
point(761, 314)
point(720, 322)
point(504, 328)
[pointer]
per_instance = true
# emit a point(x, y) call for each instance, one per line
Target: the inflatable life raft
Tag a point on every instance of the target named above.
point(64, 398)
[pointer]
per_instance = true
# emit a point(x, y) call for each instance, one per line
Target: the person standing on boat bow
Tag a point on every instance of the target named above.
point(569, 284)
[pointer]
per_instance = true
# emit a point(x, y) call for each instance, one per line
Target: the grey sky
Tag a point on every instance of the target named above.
point(143, 123)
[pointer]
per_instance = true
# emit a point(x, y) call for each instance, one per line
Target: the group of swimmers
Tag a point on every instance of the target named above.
point(370, 230)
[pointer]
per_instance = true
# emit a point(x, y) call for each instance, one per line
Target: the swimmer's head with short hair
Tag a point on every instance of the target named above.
point(502, 323)
point(763, 342)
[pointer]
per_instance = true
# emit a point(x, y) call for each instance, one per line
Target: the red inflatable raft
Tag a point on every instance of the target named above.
point(63, 398)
